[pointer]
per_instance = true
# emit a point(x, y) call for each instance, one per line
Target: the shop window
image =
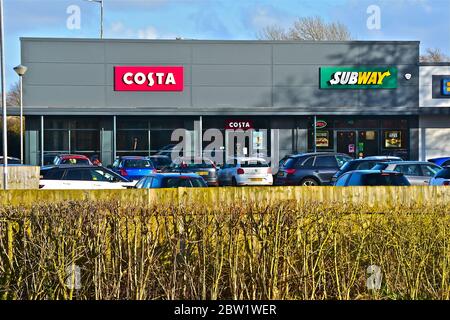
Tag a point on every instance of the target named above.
point(85, 141)
point(132, 140)
point(394, 123)
point(161, 140)
point(56, 140)
point(131, 123)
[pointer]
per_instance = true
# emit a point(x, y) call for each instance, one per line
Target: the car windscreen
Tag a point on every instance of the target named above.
point(161, 161)
point(289, 162)
point(376, 179)
point(348, 166)
point(175, 182)
point(204, 164)
point(137, 163)
point(52, 174)
point(380, 166)
point(253, 164)
point(443, 174)
point(75, 161)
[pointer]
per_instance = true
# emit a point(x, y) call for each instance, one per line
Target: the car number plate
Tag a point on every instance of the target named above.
point(256, 179)
point(203, 173)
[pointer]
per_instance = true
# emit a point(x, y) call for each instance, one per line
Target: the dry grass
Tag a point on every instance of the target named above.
point(284, 251)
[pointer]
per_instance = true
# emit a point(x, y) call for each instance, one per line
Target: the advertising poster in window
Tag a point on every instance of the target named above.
point(257, 140)
point(322, 139)
point(392, 139)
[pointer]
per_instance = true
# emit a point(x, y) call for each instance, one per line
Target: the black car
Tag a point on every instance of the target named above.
point(371, 178)
point(357, 164)
point(310, 169)
point(160, 162)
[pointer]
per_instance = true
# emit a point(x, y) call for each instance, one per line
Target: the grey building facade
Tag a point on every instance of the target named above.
point(72, 102)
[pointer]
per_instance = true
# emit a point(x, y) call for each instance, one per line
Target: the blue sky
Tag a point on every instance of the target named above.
point(424, 20)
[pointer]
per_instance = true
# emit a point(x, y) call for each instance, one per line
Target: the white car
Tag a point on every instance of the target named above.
point(82, 177)
point(442, 178)
point(249, 171)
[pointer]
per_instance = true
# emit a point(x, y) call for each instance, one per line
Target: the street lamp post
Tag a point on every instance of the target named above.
point(21, 70)
point(3, 88)
point(101, 15)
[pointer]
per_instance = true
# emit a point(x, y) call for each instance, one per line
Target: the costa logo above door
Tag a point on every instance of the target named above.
point(145, 78)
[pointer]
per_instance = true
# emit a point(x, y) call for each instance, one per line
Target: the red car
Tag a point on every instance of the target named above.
point(71, 159)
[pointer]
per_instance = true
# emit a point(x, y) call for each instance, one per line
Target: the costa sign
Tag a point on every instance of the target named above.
point(238, 124)
point(145, 78)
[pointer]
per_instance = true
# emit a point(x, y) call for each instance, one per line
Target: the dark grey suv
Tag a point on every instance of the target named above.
point(310, 169)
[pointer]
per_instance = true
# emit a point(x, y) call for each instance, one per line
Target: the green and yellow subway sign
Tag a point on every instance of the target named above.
point(358, 78)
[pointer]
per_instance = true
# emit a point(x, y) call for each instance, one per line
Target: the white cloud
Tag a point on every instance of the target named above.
point(263, 18)
point(119, 30)
point(147, 33)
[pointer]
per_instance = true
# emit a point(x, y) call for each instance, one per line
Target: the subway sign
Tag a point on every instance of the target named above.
point(148, 78)
point(358, 78)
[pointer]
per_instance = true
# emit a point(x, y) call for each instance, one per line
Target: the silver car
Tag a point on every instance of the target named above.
point(442, 178)
point(418, 173)
point(246, 171)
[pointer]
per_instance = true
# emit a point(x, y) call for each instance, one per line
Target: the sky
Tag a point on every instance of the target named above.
point(425, 20)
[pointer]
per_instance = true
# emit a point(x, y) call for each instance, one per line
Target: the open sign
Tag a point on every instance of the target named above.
point(146, 78)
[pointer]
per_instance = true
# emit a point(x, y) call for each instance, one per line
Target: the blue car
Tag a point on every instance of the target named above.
point(171, 180)
point(443, 161)
point(133, 167)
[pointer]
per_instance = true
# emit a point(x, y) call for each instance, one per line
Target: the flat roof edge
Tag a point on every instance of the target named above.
point(215, 41)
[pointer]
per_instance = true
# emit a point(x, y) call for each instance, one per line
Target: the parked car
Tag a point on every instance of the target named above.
point(442, 178)
point(171, 180)
point(358, 164)
point(250, 171)
point(49, 158)
point(383, 158)
point(418, 173)
point(201, 166)
point(161, 163)
point(443, 161)
point(71, 159)
point(372, 178)
point(81, 177)
point(133, 167)
point(310, 169)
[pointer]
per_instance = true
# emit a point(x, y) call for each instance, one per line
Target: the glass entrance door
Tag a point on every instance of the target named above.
point(346, 142)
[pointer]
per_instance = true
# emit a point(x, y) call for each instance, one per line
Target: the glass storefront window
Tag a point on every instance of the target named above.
point(56, 140)
point(132, 140)
point(85, 141)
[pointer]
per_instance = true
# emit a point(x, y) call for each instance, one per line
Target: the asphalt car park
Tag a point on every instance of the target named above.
point(306, 169)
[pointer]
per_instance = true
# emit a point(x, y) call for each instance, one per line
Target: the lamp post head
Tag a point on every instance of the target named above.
point(20, 70)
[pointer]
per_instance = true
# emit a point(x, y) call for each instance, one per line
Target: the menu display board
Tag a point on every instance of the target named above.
point(322, 139)
point(392, 139)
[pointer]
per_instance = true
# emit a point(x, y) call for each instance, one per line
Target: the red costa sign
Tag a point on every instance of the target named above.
point(148, 78)
point(238, 124)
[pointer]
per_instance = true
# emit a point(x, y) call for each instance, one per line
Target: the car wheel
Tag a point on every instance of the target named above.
point(309, 182)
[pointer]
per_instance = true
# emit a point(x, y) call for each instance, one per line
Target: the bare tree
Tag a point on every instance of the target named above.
point(434, 55)
point(13, 95)
point(307, 28)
